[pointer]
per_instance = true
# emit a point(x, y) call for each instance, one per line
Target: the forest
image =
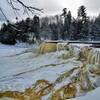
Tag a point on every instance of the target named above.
point(58, 27)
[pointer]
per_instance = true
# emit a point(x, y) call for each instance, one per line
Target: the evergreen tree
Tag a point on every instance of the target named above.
point(64, 29)
point(54, 30)
point(59, 25)
point(82, 13)
point(74, 29)
point(83, 21)
point(96, 28)
point(36, 21)
point(67, 25)
point(45, 28)
point(69, 21)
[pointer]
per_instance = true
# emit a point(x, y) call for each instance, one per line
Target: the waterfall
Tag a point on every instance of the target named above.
point(90, 55)
point(97, 58)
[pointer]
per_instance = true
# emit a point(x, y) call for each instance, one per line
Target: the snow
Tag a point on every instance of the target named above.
point(80, 45)
point(21, 71)
point(93, 95)
point(6, 50)
point(21, 67)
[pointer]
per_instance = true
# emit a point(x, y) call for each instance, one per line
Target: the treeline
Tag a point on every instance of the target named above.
point(63, 26)
point(66, 27)
point(20, 31)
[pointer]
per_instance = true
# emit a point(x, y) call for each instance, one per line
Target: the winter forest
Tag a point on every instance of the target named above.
point(59, 27)
point(51, 57)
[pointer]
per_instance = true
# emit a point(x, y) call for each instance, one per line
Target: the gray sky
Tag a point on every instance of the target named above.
point(93, 6)
point(54, 6)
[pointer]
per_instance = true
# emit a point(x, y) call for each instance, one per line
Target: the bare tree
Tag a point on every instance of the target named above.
point(26, 8)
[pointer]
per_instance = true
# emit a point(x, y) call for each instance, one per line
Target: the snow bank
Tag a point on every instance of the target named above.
point(6, 50)
point(94, 95)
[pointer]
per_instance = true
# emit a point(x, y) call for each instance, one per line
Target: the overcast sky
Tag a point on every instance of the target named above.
point(54, 6)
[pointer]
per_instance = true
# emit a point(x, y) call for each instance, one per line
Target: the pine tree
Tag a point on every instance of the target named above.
point(96, 28)
point(67, 25)
point(69, 21)
point(83, 21)
point(54, 30)
point(82, 13)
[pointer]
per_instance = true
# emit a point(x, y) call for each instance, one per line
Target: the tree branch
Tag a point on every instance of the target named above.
point(26, 8)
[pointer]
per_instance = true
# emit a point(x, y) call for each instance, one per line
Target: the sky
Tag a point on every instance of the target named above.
point(52, 7)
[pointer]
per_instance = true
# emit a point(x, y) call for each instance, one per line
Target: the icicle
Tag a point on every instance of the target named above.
point(90, 56)
point(97, 59)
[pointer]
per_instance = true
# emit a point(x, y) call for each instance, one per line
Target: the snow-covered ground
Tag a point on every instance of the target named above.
point(94, 95)
point(20, 69)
